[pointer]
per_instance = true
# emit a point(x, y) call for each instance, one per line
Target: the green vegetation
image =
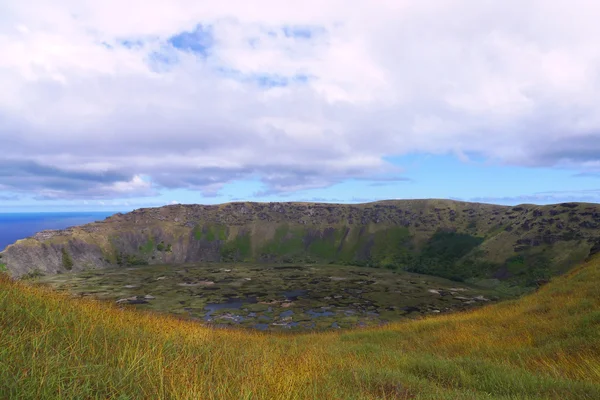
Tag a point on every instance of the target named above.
point(323, 245)
point(348, 246)
point(198, 232)
point(67, 261)
point(211, 233)
point(287, 245)
point(148, 247)
point(545, 345)
point(442, 254)
point(528, 268)
point(238, 249)
point(450, 246)
point(392, 248)
point(3, 267)
point(130, 259)
point(162, 247)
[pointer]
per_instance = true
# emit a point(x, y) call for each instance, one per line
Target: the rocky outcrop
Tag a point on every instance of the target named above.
point(49, 258)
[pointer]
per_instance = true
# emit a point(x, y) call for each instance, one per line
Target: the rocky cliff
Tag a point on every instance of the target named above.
point(458, 240)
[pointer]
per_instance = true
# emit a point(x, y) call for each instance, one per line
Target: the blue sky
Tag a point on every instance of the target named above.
point(195, 103)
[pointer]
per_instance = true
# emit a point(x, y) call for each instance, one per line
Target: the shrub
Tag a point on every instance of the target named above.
point(164, 247)
point(32, 274)
point(67, 261)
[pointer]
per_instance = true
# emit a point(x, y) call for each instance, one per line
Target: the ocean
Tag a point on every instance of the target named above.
point(15, 226)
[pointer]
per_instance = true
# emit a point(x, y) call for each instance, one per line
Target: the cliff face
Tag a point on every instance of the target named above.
point(447, 238)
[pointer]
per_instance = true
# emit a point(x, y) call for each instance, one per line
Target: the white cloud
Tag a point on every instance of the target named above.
point(135, 185)
point(96, 89)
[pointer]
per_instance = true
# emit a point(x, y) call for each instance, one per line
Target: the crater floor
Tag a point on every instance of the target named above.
point(276, 297)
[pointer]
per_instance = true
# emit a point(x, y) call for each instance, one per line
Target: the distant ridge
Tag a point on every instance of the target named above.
point(523, 244)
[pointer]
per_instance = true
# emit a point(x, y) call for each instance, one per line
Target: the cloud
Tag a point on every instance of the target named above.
point(114, 100)
point(49, 182)
point(550, 197)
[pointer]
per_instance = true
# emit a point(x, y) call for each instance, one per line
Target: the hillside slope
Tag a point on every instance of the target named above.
point(457, 240)
point(542, 346)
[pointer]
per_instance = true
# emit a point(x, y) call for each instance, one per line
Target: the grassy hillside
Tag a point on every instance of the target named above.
point(478, 243)
point(544, 345)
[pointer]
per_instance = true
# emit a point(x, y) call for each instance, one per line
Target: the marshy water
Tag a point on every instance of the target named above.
point(271, 297)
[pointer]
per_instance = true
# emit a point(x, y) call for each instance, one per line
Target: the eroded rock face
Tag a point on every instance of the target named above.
point(48, 258)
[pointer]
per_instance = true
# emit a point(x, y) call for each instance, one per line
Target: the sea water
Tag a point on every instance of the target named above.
point(15, 226)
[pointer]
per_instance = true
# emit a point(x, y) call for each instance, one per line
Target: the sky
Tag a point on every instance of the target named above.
point(119, 105)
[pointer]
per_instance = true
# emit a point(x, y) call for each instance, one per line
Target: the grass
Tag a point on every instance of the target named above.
point(542, 346)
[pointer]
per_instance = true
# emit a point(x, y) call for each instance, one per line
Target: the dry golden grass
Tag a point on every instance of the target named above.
point(545, 345)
